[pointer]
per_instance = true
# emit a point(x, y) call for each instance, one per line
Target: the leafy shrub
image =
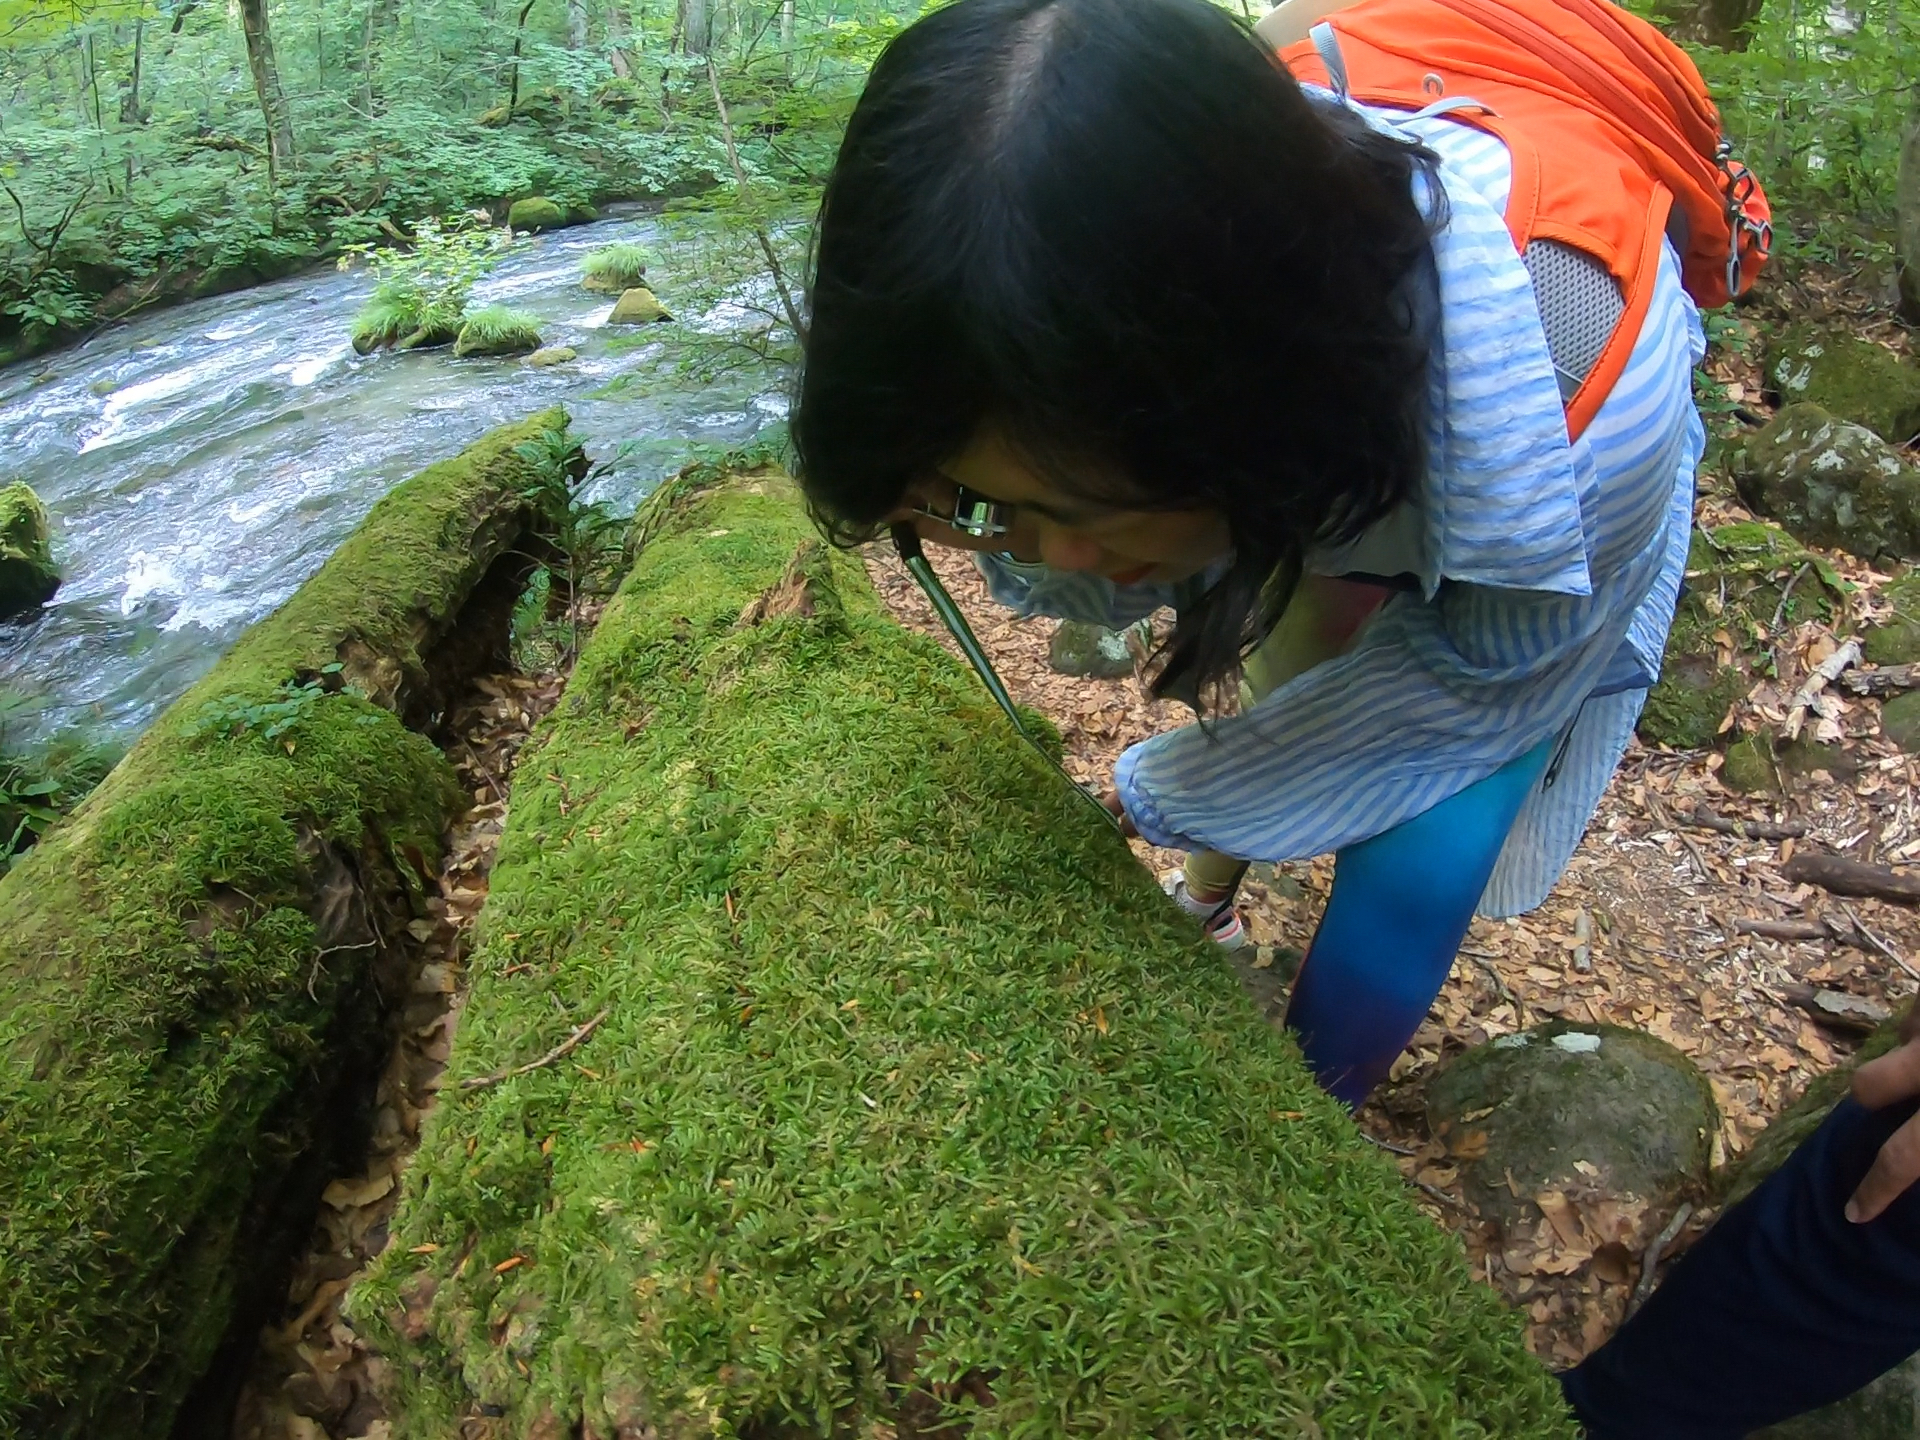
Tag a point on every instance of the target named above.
point(420, 294)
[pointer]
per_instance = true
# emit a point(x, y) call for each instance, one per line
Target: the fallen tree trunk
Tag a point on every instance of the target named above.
point(1851, 877)
point(828, 1070)
point(193, 965)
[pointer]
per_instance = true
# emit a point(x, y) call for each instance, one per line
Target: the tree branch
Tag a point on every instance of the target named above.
point(774, 269)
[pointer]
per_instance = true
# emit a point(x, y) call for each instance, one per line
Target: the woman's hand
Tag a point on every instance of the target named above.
point(1112, 801)
point(937, 494)
point(1895, 1076)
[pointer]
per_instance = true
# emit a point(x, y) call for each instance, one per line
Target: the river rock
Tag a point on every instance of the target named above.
point(1591, 1109)
point(1082, 649)
point(552, 355)
point(1831, 482)
point(1888, 1409)
point(536, 212)
point(27, 574)
point(637, 306)
point(1897, 641)
point(1848, 377)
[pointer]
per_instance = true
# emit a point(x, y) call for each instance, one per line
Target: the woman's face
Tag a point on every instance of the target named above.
point(1068, 533)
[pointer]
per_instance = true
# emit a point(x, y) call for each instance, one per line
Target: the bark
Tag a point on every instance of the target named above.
point(1723, 24)
point(1851, 877)
point(266, 83)
point(696, 27)
point(576, 24)
point(1907, 217)
point(130, 102)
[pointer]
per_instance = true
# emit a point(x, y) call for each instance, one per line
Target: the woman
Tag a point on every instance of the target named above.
point(1256, 352)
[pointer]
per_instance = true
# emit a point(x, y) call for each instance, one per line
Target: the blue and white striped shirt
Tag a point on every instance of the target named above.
point(1549, 571)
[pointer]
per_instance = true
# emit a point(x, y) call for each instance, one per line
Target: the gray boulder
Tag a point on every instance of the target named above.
point(638, 306)
point(1830, 482)
point(1082, 649)
point(27, 574)
point(1847, 376)
point(1582, 1109)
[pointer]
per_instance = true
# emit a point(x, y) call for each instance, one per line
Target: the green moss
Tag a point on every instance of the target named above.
point(186, 961)
point(28, 576)
point(909, 1079)
point(1738, 579)
point(536, 212)
point(498, 330)
point(392, 313)
point(1848, 376)
point(616, 268)
point(1897, 642)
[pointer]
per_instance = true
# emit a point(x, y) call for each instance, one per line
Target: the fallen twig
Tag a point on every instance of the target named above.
point(1823, 674)
point(1876, 943)
point(1705, 819)
point(1851, 877)
point(1667, 822)
point(559, 1052)
point(1650, 1262)
point(1433, 1192)
point(1773, 625)
point(1888, 680)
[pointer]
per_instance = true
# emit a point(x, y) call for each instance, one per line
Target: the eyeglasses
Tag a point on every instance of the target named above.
point(973, 515)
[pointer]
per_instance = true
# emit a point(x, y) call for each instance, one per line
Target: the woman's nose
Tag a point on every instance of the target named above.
point(1064, 550)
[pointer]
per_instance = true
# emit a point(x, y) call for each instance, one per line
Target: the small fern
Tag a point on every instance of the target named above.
point(498, 330)
point(616, 268)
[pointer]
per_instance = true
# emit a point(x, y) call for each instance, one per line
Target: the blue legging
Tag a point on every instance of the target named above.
point(1400, 907)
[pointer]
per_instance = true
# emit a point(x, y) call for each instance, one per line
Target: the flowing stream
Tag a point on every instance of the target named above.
point(200, 462)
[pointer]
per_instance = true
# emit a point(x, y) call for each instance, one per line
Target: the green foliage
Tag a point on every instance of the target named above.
point(422, 288)
point(908, 1077)
point(498, 330)
point(176, 984)
point(40, 784)
point(583, 536)
point(617, 267)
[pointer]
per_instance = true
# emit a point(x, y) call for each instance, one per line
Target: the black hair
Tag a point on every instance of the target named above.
point(1119, 230)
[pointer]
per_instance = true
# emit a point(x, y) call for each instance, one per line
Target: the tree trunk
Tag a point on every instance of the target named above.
point(1906, 204)
point(130, 102)
point(576, 24)
point(696, 27)
point(266, 83)
point(1723, 24)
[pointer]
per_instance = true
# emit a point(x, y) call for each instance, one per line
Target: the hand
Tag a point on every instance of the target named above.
point(1895, 1076)
point(1112, 801)
point(937, 494)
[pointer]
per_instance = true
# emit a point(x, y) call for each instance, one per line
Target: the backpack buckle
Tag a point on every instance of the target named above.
point(1745, 235)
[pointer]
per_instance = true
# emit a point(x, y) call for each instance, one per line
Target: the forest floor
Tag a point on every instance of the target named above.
point(1644, 930)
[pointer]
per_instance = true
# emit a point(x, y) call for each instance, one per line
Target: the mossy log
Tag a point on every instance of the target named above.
point(902, 1102)
point(193, 965)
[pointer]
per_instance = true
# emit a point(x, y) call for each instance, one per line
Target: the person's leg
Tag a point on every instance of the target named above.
point(1400, 906)
point(1783, 1306)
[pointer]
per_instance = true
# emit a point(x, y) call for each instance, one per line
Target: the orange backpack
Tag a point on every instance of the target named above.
point(1614, 140)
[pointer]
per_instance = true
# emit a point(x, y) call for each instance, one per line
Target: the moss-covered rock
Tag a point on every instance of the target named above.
point(497, 330)
point(536, 212)
point(1573, 1108)
point(1831, 482)
point(637, 306)
point(552, 355)
point(1847, 376)
point(1078, 648)
point(1750, 767)
point(1900, 721)
point(1897, 640)
point(1739, 576)
point(28, 576)
point(615, 269)
point(193, 964)
point(868, 1132)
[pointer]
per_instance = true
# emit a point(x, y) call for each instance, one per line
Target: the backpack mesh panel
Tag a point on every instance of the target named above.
point(1579, 305)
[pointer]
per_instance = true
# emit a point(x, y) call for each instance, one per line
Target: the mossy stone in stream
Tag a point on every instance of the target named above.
point(1573, 1108)
point(194, 964)
point(615, 269)
point(637, 306)
point(868, 1137)
point(1849, 377)
point(28, 576)
point(552, 355)
point(536, 212)
point(497, 330)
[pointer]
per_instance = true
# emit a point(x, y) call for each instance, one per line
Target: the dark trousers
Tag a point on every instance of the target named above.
point(1781, 1308)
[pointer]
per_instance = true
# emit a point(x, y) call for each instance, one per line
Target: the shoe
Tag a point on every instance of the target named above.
point(1223, 923)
